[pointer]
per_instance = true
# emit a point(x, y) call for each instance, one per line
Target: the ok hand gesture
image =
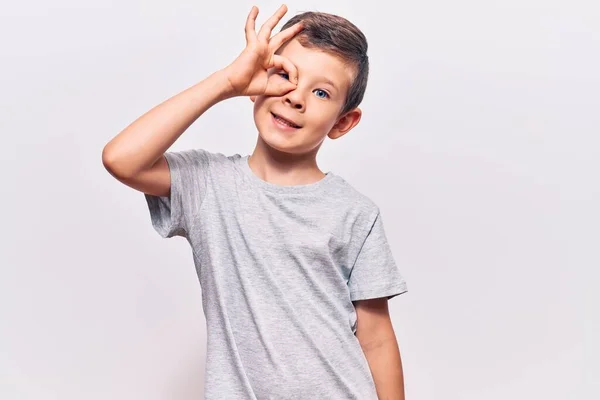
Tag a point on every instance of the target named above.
point(248, 74)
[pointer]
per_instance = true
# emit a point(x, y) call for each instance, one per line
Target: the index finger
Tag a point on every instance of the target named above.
point(283, 63)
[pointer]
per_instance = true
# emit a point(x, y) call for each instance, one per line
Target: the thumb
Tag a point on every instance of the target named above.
point(278, 86)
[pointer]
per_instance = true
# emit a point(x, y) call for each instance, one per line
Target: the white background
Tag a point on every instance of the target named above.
point(479, 142)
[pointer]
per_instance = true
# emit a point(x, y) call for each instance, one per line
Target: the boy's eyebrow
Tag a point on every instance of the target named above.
point(327, 80)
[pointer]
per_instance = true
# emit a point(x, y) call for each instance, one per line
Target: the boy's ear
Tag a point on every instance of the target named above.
point(345, 123)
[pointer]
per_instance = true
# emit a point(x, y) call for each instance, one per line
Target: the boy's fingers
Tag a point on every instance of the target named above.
point(250, 24)
point(265, 30)
point(285, 35)
point(277, 86)
point(282, 63)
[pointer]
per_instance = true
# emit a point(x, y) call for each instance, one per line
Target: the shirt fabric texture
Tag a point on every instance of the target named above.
point(279, 267)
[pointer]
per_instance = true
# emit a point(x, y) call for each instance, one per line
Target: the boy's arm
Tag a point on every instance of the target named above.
point(378, 341)
point(135, 156)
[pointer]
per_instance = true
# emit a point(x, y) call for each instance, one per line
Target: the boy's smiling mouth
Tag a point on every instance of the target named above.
point(283, 121)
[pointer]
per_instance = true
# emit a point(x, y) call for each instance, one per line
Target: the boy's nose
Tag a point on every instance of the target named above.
point(294, 98)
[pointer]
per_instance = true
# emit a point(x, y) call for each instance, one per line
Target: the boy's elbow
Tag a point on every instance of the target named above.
point(112, 165)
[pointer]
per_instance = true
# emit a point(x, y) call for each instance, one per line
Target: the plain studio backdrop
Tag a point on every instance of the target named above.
point(479, 142)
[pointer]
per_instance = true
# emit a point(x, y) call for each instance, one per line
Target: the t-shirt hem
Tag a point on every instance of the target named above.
point(387, 291)
point(158, 223)
point(164, 210)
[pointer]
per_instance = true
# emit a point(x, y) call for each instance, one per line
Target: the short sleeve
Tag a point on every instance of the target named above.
point(375, 273)
point(172, 215)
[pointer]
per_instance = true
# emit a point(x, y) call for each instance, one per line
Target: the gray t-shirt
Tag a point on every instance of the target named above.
point(279, 267)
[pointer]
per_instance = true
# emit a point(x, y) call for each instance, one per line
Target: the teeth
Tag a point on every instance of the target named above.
point(283, 121)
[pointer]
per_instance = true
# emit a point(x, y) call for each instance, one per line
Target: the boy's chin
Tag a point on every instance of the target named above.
point(271, 140)
point(277, 142)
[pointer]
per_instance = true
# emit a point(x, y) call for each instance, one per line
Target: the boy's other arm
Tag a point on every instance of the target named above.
point(136, 155)
point(377, 339)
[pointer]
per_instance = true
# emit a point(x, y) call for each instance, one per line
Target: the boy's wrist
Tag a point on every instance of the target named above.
point(227, 90)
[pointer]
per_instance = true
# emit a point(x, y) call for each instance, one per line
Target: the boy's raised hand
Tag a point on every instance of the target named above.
point(248, 74)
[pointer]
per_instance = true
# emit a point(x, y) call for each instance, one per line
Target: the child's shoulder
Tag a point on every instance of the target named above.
point(347, 193)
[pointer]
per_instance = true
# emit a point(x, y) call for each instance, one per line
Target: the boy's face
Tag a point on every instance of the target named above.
point(314, 105)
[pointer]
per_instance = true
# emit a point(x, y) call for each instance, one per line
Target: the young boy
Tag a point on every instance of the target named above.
point(293, 263)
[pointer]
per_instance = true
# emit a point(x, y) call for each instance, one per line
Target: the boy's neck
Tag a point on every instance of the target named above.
point(282, 168)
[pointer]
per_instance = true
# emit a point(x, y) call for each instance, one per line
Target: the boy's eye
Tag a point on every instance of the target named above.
point(284, 75)
point(324, 93)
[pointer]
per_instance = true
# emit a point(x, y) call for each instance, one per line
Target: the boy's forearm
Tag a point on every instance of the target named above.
point(385, 363)
point(146, 139)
